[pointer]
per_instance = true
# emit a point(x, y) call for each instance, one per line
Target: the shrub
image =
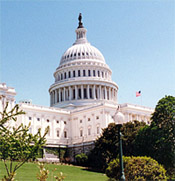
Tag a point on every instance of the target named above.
point(137, 168)
point(81, 159)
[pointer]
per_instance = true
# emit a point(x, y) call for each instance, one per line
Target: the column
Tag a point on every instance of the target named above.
point(116, 95)
point(105, 93)
point(70, 93)
point(94, 96)
point(110, 93)
point(59, 94)
point(56, 96)
point(113, 94)
point(82, 92)
point(88, 91)
point(51, 99)
point(64, 94)
point(100, 92)
point(76, 93)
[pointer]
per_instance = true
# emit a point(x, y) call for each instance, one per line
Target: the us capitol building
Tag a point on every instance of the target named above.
point(83, 99)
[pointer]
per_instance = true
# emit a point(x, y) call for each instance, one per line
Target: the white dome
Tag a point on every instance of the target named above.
point(81, 51)
point(82, 78)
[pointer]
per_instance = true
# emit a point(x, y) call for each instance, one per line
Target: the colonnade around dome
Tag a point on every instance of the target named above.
point(81, 92)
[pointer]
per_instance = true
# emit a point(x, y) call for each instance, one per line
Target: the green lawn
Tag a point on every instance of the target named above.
point(29, 171)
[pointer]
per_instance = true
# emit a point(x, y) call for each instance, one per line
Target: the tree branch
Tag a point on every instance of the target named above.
point(6, 168)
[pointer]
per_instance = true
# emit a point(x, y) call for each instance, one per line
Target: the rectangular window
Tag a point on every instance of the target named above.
point(94, 73)
point(79, 93)
point(84, 73)
point(102, 74)
point(65, 134)
point(98, 73)
point(30, 118)
point(73, 93)
point(97, 117)
point(98, 130)
point(89, 119)
point(81, 133)
point(69, 74)
point(78, 73)
point(90, 93)
point(74, 73)
point(58, 133)
point(38, 119)
point(89, 131)
point(89, 73)
point(65, 75)
point(85, 94)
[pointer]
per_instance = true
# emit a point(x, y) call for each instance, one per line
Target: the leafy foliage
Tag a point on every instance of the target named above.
point(44, 172)
point(107, 147)
point(16, 143)
point(81, 159)
point(158, 139)
point(129, 131)
point(137, 168)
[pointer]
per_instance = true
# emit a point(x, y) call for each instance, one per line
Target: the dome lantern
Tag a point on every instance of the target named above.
point(80, 32)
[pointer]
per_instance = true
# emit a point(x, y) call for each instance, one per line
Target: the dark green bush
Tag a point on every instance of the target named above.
point(81, 159)
point(137, 168)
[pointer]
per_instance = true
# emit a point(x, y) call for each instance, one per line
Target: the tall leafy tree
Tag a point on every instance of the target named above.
point(107, 147)
point(16, 143)
point(158, 139)
point(129, 132)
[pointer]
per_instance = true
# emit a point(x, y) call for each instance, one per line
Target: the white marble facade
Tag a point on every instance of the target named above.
point(83, 98)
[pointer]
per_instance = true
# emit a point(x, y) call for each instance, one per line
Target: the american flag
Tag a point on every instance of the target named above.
point(138, 93)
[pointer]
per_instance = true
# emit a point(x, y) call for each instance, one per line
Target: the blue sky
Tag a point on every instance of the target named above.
point(137, 39)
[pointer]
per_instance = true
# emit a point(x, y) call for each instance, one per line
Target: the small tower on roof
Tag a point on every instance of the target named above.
point(80, 32)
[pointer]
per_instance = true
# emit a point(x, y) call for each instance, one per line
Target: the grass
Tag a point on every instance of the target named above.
point(29, 171)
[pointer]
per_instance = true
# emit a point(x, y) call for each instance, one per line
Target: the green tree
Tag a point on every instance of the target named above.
point(107, 147)
point(137, 168)
point(81, 159)
point(16, 143)
point(158, 139)
point(129, 131)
